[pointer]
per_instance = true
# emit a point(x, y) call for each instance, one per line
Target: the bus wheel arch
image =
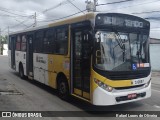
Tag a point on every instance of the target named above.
point(62, 86)
point(21, 70)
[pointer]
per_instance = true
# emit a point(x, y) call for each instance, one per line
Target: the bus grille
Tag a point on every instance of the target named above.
point(128, 75)
point(130, 87)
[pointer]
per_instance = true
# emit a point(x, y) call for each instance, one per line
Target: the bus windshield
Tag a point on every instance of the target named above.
point(119, 51)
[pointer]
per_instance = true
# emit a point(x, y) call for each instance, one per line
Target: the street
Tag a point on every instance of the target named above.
point(26, 95)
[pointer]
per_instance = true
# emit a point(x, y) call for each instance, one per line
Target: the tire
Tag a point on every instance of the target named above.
point(63, 89)
point(21, 72)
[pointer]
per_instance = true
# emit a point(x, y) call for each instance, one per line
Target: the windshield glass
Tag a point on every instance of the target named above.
point(118, 51)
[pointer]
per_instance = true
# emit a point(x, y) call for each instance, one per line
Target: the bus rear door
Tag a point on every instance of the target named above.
point(30, 56)
point(13, 47)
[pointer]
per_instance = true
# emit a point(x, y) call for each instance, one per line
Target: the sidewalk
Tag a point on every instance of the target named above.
point(156, 77)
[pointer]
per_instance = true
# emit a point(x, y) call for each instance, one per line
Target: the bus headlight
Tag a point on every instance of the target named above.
point(147, 84)
point(102, 85)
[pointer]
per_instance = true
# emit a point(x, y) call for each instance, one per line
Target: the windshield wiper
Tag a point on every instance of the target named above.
point(121, 44)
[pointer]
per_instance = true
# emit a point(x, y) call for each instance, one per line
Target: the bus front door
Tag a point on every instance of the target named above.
point(81, 63)
point(30, 56)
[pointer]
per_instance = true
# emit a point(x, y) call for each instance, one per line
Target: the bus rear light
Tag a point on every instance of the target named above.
point(102, 85)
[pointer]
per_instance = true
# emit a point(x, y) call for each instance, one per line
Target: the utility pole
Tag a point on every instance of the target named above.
point(8, 30)
point(91, 6)
point(35, 20)
point(95, 3)
point(8, 36)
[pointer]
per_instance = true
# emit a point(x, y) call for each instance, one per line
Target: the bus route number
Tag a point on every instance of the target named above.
point(138, 82)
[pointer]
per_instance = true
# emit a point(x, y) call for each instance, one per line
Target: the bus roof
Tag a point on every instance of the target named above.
point(71, 20)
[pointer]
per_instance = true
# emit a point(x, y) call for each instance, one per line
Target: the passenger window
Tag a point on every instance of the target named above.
point(18, 43)
point(61, 41)
point(23, 43)
point(39, 41)
point(48, 41)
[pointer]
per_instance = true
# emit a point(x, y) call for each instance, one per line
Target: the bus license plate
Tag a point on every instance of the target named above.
point(138, 82)
point(132, 96)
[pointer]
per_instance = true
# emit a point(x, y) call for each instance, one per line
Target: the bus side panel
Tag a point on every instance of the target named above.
point(40, 67)
point(57, 64)
point(20, 57)
point(46, 67)
point(51, 73)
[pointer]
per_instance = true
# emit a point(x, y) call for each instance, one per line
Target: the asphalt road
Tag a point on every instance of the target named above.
point(26, 95)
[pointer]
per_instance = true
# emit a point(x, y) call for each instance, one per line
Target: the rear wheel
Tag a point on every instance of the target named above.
point(63, 89)
point(21, 72)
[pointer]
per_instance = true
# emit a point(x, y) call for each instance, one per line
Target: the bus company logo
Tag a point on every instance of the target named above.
point(40, 59)
point(6, 114)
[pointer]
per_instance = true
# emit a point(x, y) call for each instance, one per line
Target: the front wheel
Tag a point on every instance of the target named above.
point(63, 89)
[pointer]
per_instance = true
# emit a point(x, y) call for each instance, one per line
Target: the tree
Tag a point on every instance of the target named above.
point(3, 40)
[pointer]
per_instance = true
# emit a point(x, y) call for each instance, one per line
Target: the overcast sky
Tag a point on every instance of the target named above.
point(18, 14)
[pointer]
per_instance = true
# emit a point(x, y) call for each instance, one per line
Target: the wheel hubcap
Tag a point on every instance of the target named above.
point(62, 88)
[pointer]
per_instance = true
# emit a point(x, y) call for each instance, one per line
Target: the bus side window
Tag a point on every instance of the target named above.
point(61, 41)
point(18, 43)
point(48, 41)
point(39, 41)
point(23, 43)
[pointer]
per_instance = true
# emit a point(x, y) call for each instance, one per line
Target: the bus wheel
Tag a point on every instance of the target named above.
point(21, 72)
point(63, 89)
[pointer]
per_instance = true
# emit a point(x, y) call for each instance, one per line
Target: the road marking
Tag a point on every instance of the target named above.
point(10, 93)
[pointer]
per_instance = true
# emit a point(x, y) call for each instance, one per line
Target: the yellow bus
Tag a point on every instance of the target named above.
point(102, 58)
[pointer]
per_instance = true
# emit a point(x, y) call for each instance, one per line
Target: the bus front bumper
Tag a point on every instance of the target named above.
point(103, 98)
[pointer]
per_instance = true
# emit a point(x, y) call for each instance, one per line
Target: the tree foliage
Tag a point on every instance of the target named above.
point(3, 39)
